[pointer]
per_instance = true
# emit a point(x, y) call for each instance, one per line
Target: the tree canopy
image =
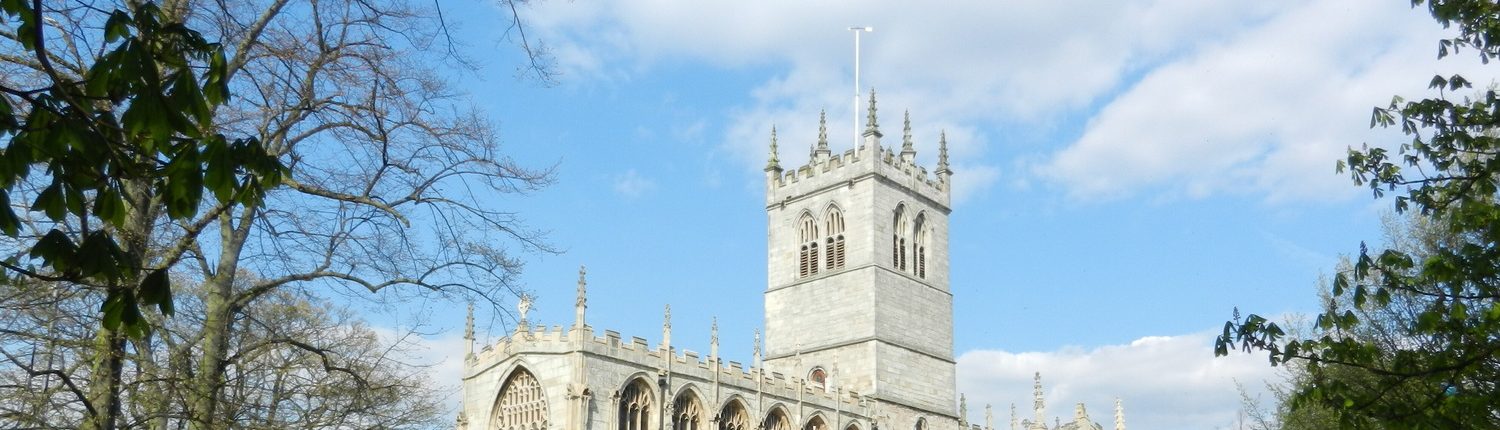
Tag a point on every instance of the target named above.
point(1442, 367)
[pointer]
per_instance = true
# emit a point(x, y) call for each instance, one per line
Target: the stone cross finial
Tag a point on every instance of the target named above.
point(581, 303)
point(773, 163)
point(523, 306)
point(872, 127)
point(942, 166)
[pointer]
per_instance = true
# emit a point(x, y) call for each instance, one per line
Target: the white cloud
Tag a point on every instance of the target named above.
point(631, 184)
point(1164, 382)
point(975, 180)
point(1267, 111)
point(971, 65)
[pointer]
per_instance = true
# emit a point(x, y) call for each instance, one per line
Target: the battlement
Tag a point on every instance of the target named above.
point(685, 364)
point(870, 160)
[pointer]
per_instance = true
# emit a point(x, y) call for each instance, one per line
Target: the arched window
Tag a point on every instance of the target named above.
point(776, 420)
point(818, 377)
point(808, 238)
point(687, 412)
point(899, 238)
point(635, 406)
point(834, 241)
point(919, 246)
point(521, 404)
point(734, 417)
point(816, 423)
point(852, 426)
point(921, 424)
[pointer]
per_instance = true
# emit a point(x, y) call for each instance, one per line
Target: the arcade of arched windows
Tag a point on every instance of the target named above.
point(635, 406)
point(734, 417)
point(521, 405)
point(687, 412)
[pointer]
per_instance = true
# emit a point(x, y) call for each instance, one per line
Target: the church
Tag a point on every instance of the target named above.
point(858, 323)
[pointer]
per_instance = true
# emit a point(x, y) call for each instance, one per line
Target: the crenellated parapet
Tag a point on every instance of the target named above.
point(685, 366)
point(871, 159)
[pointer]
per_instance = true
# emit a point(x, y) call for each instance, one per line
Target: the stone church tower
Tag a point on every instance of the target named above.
point(858, 293)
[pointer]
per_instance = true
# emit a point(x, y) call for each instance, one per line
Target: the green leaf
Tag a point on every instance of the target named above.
point(9, 224)
point(110, 207)
point(51, 202)
point(156, 289)
point(116, 27)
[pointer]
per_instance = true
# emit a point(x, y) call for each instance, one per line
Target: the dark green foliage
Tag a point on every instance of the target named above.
point(133, 139)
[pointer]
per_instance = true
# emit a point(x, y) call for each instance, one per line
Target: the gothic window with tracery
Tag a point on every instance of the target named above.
point(734, 417)
point(687, 412)
point(808, 238)
point(635, 406)
point(834, 242)
point(521, 405)
point(776, 420)
point(919, 247)
point(899, 234)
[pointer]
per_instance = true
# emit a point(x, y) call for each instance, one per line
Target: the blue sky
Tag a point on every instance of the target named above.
point(1125, 173)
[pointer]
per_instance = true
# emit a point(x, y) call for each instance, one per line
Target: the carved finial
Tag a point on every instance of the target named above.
point(942, 166)
point(469, 331)
point(823, 128)
point(757, 347)
point(713, 340)
point(581, 303)
point(469, 323)
point(666, 330)
point(773, 163)
point(1013, 423)
point(989, 417)
point(1038, 404)
point(963, 411)
point(1119, 415)
point(906, 146)
point(872, 127)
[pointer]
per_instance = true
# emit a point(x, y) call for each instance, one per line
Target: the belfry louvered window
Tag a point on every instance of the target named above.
point(919, 247)
point(900, 231)
point(834, 241)
point(807, 237)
